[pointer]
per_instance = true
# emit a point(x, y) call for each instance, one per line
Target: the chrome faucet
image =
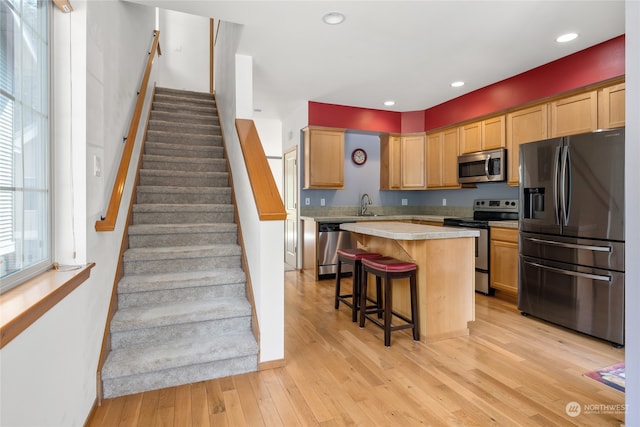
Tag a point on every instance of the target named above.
point(364, 204)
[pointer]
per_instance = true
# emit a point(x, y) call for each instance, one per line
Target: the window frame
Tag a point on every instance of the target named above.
point(23, 275)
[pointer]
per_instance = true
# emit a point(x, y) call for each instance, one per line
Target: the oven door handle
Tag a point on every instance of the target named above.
point(570, 245)
point(571, 273)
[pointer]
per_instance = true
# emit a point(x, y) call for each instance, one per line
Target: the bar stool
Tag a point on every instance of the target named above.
point(388, 268)
point(352, 256)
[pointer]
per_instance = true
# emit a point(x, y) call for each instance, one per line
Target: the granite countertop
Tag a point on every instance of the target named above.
point(392, 217)
point(407, 231)
point(504, 224)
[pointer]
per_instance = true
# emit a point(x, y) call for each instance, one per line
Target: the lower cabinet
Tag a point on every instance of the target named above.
point(504, 260)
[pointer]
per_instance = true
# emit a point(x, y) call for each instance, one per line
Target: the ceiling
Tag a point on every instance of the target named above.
point(406, 51)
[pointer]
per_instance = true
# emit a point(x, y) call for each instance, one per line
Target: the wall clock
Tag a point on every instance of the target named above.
point(359, 156)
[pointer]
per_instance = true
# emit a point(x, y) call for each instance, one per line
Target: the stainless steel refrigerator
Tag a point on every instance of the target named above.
point(571, 269)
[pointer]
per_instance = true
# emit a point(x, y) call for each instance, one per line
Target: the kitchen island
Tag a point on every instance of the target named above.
point(445, 258)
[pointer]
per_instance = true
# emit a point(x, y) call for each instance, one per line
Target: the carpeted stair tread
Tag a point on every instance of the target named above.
point(160, 172)
point(158, 282)
point(181, 252)
point(184, 108)
point(173, 159)
point(177, 353)
point(199, 150)
point(180, 190)
point(173, 207)
point(188, 128)
point(182, 228)
point(185, 94)
point(184, 139)
point(182, 117)
point(153, 316)
point(184, 100)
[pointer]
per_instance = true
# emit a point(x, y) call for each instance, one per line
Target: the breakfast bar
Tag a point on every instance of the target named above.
point(445, 260)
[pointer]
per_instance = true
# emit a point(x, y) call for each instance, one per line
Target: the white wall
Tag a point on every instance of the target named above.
point(270, 132)
point(185, 51)
point(263, 240)
point(49, 370)
point(632, 206)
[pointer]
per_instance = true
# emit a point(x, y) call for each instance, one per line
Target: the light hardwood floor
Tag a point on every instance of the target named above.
point(511, 371)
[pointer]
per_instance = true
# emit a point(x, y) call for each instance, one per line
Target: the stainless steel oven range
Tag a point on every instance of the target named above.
point(485, 210)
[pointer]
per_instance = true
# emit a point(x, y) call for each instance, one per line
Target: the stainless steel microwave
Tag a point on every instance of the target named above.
point(483, 166)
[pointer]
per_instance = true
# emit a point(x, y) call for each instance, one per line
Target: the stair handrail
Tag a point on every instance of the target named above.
point(265, 192)
point(108, 222)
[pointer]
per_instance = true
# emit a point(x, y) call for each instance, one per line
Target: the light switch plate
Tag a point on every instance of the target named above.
point(405, 202)
point(444, 202)
point(97, 166)
point(321, 202)
point(307, 201)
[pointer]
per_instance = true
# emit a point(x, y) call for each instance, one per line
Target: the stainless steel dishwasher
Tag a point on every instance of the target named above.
point(330, 239)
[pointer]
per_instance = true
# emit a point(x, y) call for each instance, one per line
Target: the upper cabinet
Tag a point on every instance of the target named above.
point(527, 125)
point(323, 158)
point(413, 149)
point(403, 162)
point(442, 159)
point(611, 107)
point(574, 114)
point(483, 135)
point(390, 177)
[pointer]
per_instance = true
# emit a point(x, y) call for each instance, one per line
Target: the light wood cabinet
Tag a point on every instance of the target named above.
point(486, 134)
point(414, 162)
point(611, 112)
point(390, 178)
point(442, 159)
point(527, 125)
point(504, 259)
point(323, 158)
point(574, 114)
point(403, 162)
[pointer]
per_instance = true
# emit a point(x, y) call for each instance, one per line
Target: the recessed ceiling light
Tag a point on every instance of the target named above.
point(566, 37)
point(389, 103)
point(333, 18)
point(457, 84)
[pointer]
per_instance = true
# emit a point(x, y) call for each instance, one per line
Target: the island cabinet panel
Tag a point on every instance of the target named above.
point(504, 260)
point(445, 278)
point(323, 158)
point(310, 248)
point(574, 114)
point(527, 125)
point(414, 162)
point(611, 112)
point(486, 134)
point(390, 176)
point(442, 159)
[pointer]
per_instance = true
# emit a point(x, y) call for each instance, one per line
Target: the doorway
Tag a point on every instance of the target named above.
point(291, 207)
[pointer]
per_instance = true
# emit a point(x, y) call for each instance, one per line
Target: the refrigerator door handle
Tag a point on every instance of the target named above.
point(555, 185)
point(565, 185)
point(571, 273)
point(570, 245)
point(486, 165)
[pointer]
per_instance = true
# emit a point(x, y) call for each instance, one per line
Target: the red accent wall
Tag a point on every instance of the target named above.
point(598, 63)
point(341, 116)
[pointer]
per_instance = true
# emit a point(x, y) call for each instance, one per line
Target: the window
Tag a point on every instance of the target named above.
point(25, 202)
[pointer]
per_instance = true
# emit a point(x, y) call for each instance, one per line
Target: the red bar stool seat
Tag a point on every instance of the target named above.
point(352, 256)
point(387, 269)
